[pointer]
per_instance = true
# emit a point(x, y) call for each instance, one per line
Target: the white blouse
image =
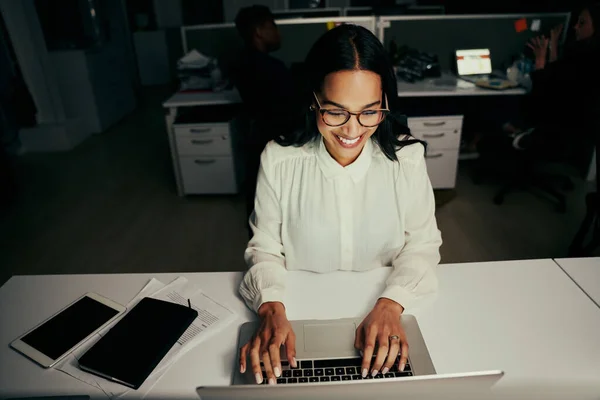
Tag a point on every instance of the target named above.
point(313, 214)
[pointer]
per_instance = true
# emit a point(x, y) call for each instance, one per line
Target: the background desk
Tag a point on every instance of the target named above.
point(193, 99)
point(585, 272)
point(525, 317)
point(448, 85)
point(202, 168)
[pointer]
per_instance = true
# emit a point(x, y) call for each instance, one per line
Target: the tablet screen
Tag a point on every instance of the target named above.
point(69, 327)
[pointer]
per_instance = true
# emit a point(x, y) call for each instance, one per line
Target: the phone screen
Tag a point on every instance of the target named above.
point(63, 331)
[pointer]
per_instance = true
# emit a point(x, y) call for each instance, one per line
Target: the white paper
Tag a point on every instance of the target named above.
point(536, 24)
point(212, 317)
point(464, 85)
point(193, 59)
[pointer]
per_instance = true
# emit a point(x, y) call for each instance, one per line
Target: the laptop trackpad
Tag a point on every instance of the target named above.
point(329, 337)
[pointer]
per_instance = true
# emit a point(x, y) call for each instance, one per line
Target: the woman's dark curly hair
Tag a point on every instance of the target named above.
point(348, 47)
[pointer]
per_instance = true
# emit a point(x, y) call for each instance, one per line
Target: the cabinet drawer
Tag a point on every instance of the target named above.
point(435, 123)
point(208, 175)
point(208, 145)
point(441, 167)
point(201, 129)
point(440, 139)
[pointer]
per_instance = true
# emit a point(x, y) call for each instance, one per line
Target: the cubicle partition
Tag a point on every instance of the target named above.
point(308, 13)
point(442, 35)
point(394, 10)
point(222, 41)
point(439, 34)
point(358, 11)
point(298, 35)
point(219, 41)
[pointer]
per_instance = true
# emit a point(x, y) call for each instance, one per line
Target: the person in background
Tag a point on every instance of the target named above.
point(554, 122)
point(563, 83)
point(347, 190)
point(264, 83)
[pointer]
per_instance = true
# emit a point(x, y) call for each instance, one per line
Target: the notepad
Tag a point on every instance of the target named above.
point(129, 352)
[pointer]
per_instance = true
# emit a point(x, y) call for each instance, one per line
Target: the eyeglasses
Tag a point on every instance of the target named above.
point(366, 118)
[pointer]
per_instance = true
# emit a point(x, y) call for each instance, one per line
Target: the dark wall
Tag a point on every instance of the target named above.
point(196, 12)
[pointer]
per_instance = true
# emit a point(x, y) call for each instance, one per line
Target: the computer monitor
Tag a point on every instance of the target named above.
point(473, 62)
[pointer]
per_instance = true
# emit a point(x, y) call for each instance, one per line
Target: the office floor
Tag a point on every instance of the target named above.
point(110, 206)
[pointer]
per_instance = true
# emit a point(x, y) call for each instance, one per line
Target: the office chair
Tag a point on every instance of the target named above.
point(590, 226)
point(523, 156)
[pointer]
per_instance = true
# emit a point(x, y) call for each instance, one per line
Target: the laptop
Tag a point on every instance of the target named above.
point(328, 362)
point(475, 66)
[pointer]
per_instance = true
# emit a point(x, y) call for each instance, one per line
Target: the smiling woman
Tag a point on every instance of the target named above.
point(350, 65)
point(344, 139)
point(347, 190)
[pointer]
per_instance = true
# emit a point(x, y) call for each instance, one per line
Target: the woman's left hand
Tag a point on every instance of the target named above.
point(378, 332)
point(555, 35)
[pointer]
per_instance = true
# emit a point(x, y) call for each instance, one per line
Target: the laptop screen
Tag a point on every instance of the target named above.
point(473, 62)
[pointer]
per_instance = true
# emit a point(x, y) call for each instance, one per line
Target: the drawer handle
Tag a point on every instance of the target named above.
point(438, 155)
point(434, 135)
point(200, 130)
point(205, 162)
point(205, 141)
point(434, 123)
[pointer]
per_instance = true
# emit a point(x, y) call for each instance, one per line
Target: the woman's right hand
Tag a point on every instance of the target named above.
point(274, 331)
point(539, 45)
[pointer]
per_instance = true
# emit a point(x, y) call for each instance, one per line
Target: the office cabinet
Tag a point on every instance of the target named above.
point(442, 135)
point(205, 158)
point(208, 175)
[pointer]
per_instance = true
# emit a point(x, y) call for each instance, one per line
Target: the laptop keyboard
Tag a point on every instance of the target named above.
point(333, 370)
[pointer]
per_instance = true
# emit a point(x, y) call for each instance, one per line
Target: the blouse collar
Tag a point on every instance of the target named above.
point(356, 170)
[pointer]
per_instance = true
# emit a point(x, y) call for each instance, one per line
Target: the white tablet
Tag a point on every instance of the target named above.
point(53, 339)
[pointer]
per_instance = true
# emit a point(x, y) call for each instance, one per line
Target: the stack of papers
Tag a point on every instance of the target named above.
point(197, 71)
point(213, 316)
point(193, 60)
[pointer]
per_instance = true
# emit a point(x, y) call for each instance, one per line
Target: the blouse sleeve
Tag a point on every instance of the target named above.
point(414, 266)
point(265, 279)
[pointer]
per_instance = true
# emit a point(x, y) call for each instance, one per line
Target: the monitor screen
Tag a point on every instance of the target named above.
point(472, 62)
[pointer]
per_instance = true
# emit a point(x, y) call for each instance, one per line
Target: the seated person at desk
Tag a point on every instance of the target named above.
point(347, 190)
point(562, 84)
point(264, 83)
point(555, 118)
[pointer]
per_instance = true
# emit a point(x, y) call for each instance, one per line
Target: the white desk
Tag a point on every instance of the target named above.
point(585, 272)
point(433, 87)
point(448, 85)
point(192, 99)
point(525, 317)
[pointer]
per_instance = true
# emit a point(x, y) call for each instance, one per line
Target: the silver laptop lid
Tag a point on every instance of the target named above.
point(474, 385)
